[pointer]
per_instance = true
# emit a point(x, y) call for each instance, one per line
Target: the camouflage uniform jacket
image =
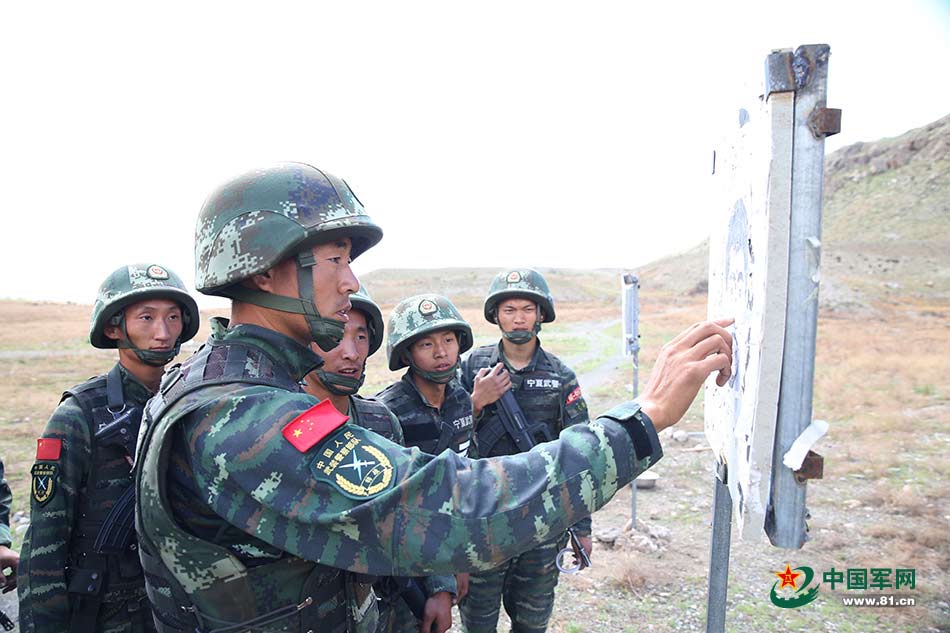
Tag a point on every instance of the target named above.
point(6, 498)
point(376, 416)
point(429, 428)
point(350, 499)
point(59, 569)
point(547, 391)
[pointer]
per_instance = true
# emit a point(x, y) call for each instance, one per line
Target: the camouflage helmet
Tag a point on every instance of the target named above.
point(419, 315)
point(257, 220)
point(263, 217)
point(134, 283)
point(374, 317)
point(524, 283)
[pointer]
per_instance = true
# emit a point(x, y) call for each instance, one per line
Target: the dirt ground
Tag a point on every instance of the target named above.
point(882, 382)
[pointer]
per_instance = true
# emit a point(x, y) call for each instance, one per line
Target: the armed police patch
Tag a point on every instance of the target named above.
point(353, 465)
point(427, 307)
point(513, 277)
point(44, 482)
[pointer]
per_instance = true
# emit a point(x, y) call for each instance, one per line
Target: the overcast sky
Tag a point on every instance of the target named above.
point(481, 134)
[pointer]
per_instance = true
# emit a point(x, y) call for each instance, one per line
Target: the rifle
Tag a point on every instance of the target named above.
point(523, 433)
point(6, 622)
point(118, 528)
point(413, 592)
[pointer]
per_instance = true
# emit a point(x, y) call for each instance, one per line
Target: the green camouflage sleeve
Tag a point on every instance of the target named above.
point(574, 411)
point(356, 501)
point(44, 605)
point(6, 498)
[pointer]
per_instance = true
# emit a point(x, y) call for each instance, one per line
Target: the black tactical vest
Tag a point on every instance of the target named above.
point(374, 416)
point(538, 392)
point(289, 594)
point(104, 574)
point(425, 427)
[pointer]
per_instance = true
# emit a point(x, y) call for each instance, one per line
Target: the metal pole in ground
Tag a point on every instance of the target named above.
point(785, 520)
point(630, 300)
point(719, 553)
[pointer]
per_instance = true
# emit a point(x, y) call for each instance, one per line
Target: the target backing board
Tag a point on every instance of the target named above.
point(748, 280)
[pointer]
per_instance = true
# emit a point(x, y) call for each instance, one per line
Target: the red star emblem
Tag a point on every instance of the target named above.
point(788, 577)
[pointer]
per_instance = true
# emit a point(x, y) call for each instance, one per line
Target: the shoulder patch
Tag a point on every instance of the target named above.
point(310, 427)
point(354, 465)
point(44, 482)
point(48, 449)
point(574, 396)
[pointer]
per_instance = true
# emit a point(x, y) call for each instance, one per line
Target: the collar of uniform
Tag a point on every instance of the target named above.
point(499, 354)
point(133, 391)
point(219, 327)
point(297, 359)
point(407, 378)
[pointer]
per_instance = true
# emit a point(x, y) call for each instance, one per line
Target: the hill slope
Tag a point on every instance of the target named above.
point(885, 225)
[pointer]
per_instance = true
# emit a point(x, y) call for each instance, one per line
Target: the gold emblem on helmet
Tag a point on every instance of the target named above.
point(513, 277)
point(427, 307)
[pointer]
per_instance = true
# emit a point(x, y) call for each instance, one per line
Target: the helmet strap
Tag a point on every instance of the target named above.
point(443, 377)
point(327, 333)
point(522, 337)
point(150, 357)
point(340, 385)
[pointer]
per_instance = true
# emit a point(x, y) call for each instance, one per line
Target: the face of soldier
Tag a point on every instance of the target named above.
point(348, 358)
point(153, 324)
point(517, 314)
point(436, 351)
point(333, 282)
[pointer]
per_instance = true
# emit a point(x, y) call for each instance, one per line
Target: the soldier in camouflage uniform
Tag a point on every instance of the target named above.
point(259, 508)
point(338, 380)
point(547, 391)
point(8, 558)
point(427, 334)
point(80, 569)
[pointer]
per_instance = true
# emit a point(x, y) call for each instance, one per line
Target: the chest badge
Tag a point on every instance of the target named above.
point(44, 482)
point(353, 465)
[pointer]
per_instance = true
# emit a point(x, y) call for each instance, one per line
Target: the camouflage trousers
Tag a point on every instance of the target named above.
point(526, 586)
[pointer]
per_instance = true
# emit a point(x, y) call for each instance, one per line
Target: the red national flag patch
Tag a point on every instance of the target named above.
point(574, 396)
point(314, 424)
point(48, 449)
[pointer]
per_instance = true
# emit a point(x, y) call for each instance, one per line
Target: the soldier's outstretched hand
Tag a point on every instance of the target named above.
point(490, 385)
point(682, 366)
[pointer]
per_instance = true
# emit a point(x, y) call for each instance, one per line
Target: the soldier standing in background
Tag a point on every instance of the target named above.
point(257, 506)
point(8, 558)
point(339, 380)
point(547, 391)
point(428, 335)
point(80, 569)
